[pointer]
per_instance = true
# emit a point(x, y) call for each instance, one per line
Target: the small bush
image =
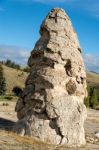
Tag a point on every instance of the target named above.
point(93, 99)
point(17, 91)
point(8, 97)
point(26, 69)
point(87, 101)
point(97, 107)
point(5, 104)
point(2, 81)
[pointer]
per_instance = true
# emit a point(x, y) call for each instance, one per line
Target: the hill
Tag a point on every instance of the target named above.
point(93, 78)
point(14, 78)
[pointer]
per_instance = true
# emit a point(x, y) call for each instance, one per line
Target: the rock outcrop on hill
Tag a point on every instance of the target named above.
point(51, 106)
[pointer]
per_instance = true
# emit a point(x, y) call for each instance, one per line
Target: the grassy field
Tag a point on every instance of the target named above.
point(14, 78)
point(9, 98)
point(93, 78)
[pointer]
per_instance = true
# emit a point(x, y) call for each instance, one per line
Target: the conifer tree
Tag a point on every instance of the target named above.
point(2, 82)
point(94, 99)
point(87, 101)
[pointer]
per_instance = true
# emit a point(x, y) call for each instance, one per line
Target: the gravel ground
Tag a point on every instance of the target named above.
point(11, 141)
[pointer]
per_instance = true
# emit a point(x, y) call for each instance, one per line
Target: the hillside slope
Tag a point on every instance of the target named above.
point(93, 78)
point(14, 78)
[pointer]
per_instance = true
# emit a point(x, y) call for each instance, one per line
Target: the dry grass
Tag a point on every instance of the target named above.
point(93, 78)
point(12, 141)
point(14, 78)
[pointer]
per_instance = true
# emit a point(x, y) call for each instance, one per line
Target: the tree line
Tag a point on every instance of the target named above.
point(12, 64)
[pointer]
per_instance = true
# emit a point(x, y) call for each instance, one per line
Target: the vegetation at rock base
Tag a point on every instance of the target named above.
point(92, 99)
point(14, 77)
point(17, 90)
point(2, 82)
point(8, 98)
point(26, 69)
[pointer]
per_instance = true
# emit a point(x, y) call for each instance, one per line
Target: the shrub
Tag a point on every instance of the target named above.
point(87, 101)
point(8, 97)
point(2, 81)
point(97, 107)
point(5, 104)
point(94, 99)
point(26, 69)
point(17, 91)
point(12, 64)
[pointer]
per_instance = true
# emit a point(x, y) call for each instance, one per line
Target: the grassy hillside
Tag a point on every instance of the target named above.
point(14, 78)
point(93, 78)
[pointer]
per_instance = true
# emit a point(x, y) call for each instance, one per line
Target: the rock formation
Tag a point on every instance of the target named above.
point(51, 106)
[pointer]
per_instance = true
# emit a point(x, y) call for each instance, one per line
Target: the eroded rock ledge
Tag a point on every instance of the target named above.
point(51, 106)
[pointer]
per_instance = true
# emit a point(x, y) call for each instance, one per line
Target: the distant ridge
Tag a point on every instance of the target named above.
point(93, 78)
point(94, 72)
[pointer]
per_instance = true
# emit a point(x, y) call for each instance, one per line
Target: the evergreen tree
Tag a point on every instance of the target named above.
point(2, 82)
point(94, 99)
point(12, 64)
point(87, 101)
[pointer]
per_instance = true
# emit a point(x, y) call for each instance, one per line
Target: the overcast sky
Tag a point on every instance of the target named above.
point(20, 21)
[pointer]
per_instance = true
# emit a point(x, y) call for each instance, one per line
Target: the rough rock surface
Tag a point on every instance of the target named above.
point(51, 106)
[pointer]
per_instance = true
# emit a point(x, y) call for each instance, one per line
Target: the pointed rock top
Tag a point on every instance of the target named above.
point(57, 25)
point(56, 17)
point(58, 12)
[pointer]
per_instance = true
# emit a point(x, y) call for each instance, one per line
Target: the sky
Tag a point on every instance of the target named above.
point(20, 22)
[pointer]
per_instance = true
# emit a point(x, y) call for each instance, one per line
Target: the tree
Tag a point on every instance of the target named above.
point(26, 69)
point(94, 99)
point(8, 62)
point(17, 91)
point(12, 64)
point(2, 82)
point(87, 101)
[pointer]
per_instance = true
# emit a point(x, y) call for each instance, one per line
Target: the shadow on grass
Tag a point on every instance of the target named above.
point(6, 124)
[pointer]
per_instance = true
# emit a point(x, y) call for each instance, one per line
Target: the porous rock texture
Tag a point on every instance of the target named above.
point(51, 106)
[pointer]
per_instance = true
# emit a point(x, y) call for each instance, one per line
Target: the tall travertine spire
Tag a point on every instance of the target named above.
point(51, 106)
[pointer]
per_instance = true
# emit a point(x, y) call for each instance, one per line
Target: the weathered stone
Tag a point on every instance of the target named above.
point(97, 135)
point(51, 106)
point(71, 87)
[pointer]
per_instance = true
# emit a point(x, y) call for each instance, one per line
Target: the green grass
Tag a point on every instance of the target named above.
point(8, 98)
